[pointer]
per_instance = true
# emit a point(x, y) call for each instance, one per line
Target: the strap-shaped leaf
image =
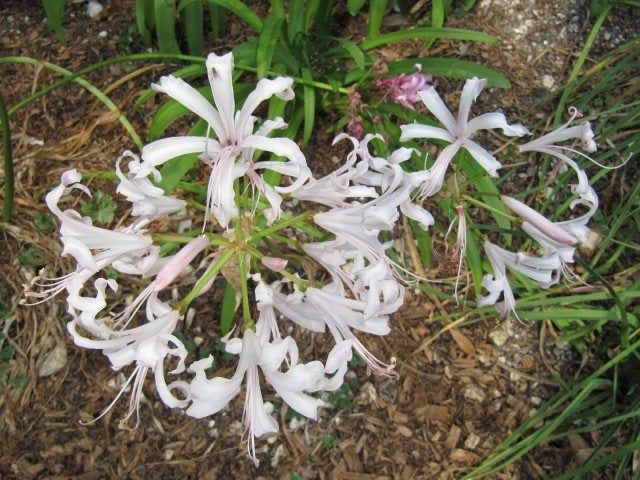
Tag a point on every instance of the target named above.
point(267, 43)
point(450, 67)
point(241, 10)
point(427, 33)
point(54, 10)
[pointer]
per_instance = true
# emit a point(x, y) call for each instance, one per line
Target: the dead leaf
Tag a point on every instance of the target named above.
point(463, 341)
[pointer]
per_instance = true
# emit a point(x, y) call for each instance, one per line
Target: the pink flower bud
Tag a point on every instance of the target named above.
point(274, 263)
point(543, 224)
point(179, 262)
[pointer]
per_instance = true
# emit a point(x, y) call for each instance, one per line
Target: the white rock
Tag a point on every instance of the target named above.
point(499, 337)
point(473, 392)
point(55, 361)
point(102, 34)
point(368, 394)
point(472, 441)
point(94, 9)
point(277, 455)
point(548, 81)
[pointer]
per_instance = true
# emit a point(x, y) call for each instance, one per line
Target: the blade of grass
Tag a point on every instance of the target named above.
point(575, 71)
point(7, 204)
point(80, 81)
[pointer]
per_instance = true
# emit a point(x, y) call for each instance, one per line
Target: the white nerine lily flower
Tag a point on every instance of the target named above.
point(542, 270)
point(171, 269)
point(211, 395)
point(548, 144)
point(147, 346)
point(94, 248)
point(461, 243)
point(546, 226)
point(146, 198)
point(79, 236)
point(342, 314)
point(230, 155)
point(565, 132)
point(458, 132)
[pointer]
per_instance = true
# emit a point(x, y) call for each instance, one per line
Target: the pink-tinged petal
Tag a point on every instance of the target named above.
point(489, 121)
point(160, 151)
point(220, 70)
point(435, 178)
point(191, 98)
point(546, 226)
point(436, 106)
point(416, 130)
point(484, 158)
point(274, 263)
point(181, 260)
point(265, 89)
point(470, 92)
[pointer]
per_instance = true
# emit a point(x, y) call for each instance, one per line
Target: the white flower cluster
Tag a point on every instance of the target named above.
point(363, 198)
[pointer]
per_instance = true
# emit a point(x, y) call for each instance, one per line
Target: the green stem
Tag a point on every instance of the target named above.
point(489, 207)
point(246, 309)
point(136, 58)
point(204, 279)
point(7, 206)
point(300, 283)
point(575, 72)
point(303, 217)
point(89, 87)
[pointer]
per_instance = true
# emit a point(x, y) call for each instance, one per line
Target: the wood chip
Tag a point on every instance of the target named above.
point(453, 438)
point(463, 342)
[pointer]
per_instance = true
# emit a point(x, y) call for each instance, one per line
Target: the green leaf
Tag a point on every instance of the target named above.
point(218, 19)
point(424, 242)
point(194, 28)
point(241, 10)
point(437, 19)
point(43, 222)
point(170, 112)
point(142, 21)
point(377, 9)
point(7, 352)
point(165, 26)
point(228, 308)
point(296, 19)
point(450, 67)
point(186, 72)
point(54, 10)
point(311, 11)
point(427, 33)
point(354, 6)
point(309, 95)
point(474, 261)
point(267, 43)
point(484, 183)
point(102, 209)
point(353, 50)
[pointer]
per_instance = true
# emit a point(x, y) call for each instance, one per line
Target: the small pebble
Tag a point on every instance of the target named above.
point(473, 392)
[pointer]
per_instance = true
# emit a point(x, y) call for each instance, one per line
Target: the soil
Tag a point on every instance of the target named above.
point(459, 392)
